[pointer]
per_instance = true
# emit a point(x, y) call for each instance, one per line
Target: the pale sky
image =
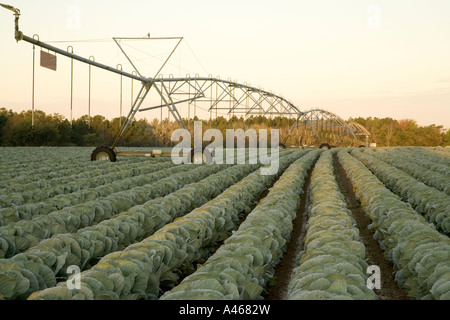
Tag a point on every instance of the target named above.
point(354, 58)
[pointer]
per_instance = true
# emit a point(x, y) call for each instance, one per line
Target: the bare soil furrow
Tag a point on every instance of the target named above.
point(375, 256)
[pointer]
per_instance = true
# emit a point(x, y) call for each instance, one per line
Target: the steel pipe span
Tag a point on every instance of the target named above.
point(225, 95)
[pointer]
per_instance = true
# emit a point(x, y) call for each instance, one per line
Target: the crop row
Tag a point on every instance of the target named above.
point(242, 266)
point(416, 169)
point(432, 203)
point(332, 264)
point(88, 244)
point(419, 253)
point(444, 151)
point(436, 155)
point(138, 270)
point(419, 157)
point(26, 157)
point(48, 165)
point(19, 236)
point(38, 199)
point(84, 178)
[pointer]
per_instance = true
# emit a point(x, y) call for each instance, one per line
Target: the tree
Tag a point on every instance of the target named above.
point(139, 133)
point(80, 128)
point(15, 130)
point(3, 122)
point(64, 130)
point(22, 134)
point(446, 138)
point(46, 134)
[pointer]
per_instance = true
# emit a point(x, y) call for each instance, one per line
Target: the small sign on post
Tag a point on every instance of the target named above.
point(48, 60)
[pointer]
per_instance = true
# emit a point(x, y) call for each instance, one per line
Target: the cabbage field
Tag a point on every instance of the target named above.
point(146, 228)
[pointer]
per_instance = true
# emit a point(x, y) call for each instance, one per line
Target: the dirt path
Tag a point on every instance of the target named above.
point(279, 289)
point(374, 255)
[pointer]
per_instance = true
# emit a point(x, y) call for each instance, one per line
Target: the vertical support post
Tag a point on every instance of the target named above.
point(246, 103)
point(195, 108)
point(32, 88)
point(188, 76)
point(168, 93)
point(210, 102)
point(32, 91)
point(119, 66)
point(234, 95)
point(161, 107)
point(229, 102)
point(217, 88)
point(132, 81)
point(189, 102)
point(71, 86)
point(89, 103)
point(161, 77)
point(195, 93)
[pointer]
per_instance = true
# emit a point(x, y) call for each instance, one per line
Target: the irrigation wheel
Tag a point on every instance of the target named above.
point(325, 145)
point(103, 153)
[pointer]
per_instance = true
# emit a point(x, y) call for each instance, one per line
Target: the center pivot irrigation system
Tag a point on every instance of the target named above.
point(225, 95)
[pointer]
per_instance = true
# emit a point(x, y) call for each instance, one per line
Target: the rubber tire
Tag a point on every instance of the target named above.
point(325, 145)
point(282, 146)
point(362, 146)
point(103, 150)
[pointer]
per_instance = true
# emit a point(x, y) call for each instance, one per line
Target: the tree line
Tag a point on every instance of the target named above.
point(54, 130)
point(388, 132)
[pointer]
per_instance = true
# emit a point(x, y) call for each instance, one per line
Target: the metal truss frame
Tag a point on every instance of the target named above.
point(322, 120)
point(228, 95)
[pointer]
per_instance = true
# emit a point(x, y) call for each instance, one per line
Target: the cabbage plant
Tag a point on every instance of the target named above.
point(416, 169)
point(19, 236)
point(138, 270)
point(419, 253)
point(242, 266)
point(127, 227)
point(428, 201)
point(414, 154)
point(332, 264)
point(69, 192)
